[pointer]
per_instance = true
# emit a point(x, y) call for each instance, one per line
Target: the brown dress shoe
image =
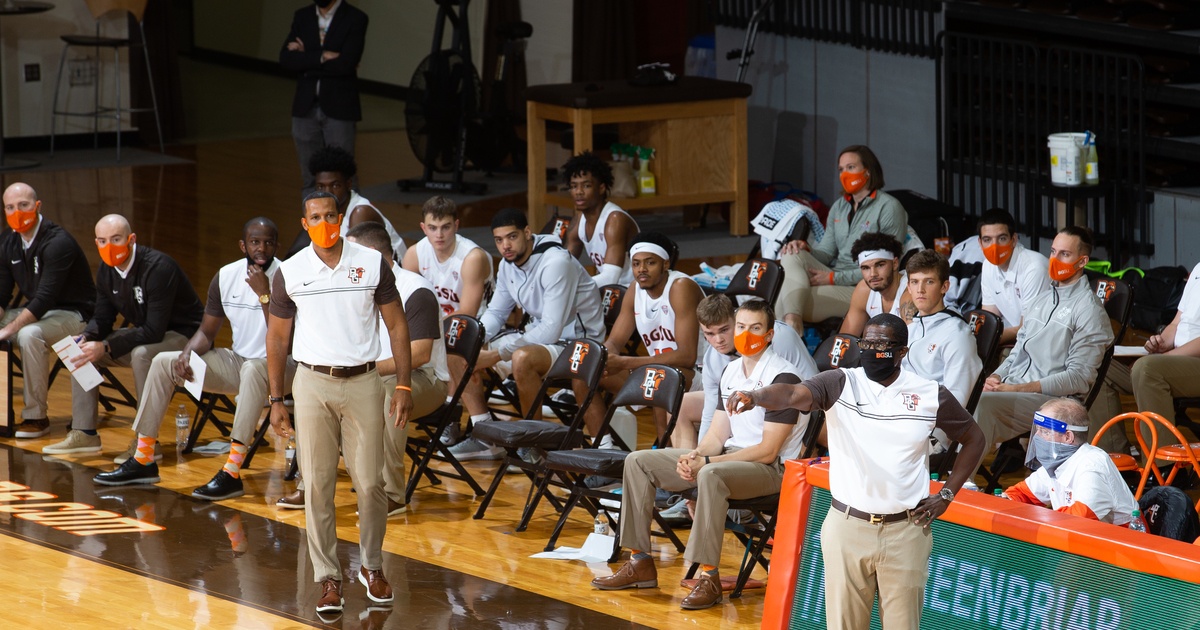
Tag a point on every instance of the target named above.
point(706, 593)
point(637, 573)
point(293, 501)
point(378, 588)
point(331, 596)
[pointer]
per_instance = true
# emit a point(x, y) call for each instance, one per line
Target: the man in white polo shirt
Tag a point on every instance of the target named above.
point(461, 272)
point(741, 457)
point(239, 293)
point(334, 293)
point(1012, 275)
point(661, 308)
point(429, 373)
point(876, 537)
point(883, 288)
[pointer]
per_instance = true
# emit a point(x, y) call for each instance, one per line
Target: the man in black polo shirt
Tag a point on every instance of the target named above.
point(49, 269)
point(149, 290)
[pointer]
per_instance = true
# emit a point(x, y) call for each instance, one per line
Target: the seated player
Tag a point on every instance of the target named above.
point(882, 288)
point(600, 228)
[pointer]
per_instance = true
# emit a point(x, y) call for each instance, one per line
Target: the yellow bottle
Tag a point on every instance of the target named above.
point(647, 186)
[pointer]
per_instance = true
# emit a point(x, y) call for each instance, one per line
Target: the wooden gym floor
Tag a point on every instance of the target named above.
point(243, 563)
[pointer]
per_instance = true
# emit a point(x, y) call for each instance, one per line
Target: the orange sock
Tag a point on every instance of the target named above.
point(708, 568)
point(237, 533)
point(145, 450)
point(237, 455)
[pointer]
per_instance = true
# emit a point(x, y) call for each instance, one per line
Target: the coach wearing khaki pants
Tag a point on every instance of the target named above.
point(333, 292)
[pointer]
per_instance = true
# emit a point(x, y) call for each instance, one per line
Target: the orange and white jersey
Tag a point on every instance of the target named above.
point(446, 276)
point(655, 318)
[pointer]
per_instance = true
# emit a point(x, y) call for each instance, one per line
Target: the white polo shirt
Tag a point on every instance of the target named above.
point(424, 317)
point(1189, 310)
point(746, 428)
point(231, 298)
point(335, 310)
point(1012, 291)
point(1089, 477)
point(879, 437)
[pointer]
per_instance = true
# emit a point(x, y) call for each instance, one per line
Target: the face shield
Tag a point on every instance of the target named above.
point(1048, 447)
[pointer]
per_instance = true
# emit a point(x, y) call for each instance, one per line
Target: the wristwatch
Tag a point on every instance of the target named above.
point(264, 298)
point(947, 494)
point(279, 399)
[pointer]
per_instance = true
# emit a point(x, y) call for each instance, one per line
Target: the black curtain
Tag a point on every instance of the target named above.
point(499, 14)
point(604, 40)
point(159, 23)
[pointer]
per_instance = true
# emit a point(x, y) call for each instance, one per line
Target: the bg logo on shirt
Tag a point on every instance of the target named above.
point(756, 273)
point(356, 274)
point(577, 356)
point(137, 295)
point(658, 334)
point(837, 351)
point(911, 401)
point(452, 333)
point(654, 378)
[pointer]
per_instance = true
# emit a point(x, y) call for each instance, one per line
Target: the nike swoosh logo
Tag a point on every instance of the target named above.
point(114, 291)
point(16, 262)
point(309, 282)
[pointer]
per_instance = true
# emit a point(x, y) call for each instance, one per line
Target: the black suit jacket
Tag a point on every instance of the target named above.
point(339, 77)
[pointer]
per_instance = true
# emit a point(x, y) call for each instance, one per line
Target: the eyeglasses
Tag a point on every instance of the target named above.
point(878, 346)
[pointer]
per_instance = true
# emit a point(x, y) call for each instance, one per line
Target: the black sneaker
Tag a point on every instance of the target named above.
point(223, 486)
point(129, 472)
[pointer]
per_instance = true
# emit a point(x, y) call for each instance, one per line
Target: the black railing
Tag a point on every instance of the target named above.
point(999, 99)
point(905, 27)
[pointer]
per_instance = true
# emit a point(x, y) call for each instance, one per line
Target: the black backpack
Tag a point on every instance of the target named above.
point(1169, 512)
point(1156, 296)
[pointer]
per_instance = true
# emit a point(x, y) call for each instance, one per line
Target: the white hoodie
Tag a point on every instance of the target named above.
point(941, 348)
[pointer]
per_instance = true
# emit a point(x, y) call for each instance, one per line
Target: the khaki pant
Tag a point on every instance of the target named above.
point(813, 304)
point(428, 394)
point(84, 403)
point(33, 344)
point(1108, 405)
point(862, 559)
point(332, 412)
point(1158, 379)
point(716, 484)
point(227, 373)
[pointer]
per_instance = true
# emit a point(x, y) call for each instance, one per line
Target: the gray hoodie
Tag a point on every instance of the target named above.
point(941, 348)
point(1062, 341)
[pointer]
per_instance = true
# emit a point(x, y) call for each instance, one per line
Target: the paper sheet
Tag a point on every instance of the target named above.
point(87, 375)
point(195, 387)
point(597, 548)
point(1129, 351)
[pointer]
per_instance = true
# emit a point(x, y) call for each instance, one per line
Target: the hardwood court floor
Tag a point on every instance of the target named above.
point(449, 570)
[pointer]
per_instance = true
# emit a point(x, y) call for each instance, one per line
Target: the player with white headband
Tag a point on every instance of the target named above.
point(661, 308)
point(882, 289)
point(1071, 475)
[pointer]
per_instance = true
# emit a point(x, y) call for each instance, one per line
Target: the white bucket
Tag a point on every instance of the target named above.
point(1066, 158)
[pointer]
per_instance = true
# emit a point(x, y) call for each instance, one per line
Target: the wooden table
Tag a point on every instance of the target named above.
point(696, 126)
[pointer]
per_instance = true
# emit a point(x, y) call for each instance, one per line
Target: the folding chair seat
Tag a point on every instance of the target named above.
point(653, 385)
point(987, 328)
point(463, 336)
point(582, 360)
point(1126, 462)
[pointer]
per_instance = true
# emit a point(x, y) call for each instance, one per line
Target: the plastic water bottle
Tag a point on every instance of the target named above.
point(601, 525)
point(182, 421)
point(289, 451)
point(999, 493)
point(933, 476)
point(1136, 523)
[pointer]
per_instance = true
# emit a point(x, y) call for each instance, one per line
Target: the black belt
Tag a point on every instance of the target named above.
point(874, 519)
point(341, 372)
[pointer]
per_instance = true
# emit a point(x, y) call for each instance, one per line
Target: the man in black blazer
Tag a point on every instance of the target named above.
point(324, 48)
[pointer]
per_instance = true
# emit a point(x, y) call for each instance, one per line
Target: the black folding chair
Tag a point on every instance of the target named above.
point(611, 298)
point(463, 336)
point(653, 385)
point(582, 360)
point(206, 413)
point(986, 327)
point(757, 277)
point(837, 351)
point(1117, 297)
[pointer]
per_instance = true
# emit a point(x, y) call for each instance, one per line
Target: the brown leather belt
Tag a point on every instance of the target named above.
point(874, 519)
point(340, 372)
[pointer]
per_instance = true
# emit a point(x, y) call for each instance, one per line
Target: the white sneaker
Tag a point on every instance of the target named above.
point(132, 450)
point(76, 442)
point(452, 434)
point(471, 448)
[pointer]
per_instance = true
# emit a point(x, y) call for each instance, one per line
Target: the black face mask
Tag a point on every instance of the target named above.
point(879, 366)
point(251, 261)
point(324, 4)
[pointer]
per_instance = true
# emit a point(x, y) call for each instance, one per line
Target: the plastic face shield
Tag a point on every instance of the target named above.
point(1047, 442)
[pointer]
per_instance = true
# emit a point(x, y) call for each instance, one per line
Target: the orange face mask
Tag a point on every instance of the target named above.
point(325, 234)
point(998, 254)
point(853, 182)
point(22, 221)
point(748, 343)
point(114, 255)
point(1060, 270)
